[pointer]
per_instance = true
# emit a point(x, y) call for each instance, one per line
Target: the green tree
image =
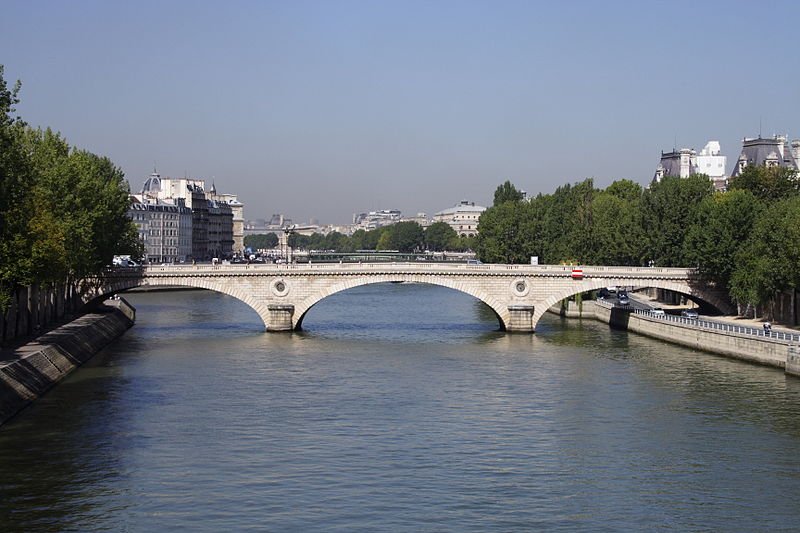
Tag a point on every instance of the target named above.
point(767, 263)
point(767, 183)
point(358, 240)
point(567, 223)
point(337, 242)
point(724, 223)
point(462, 243)
point(507, 193)
point(261, 241)
point(16, 200)
point(63, 211)
point(617, 229)
point(668, 211)
point(372, 237)
point(501, 234)
point(625, 190)
point(439, 236)
point(405, 236)
point(385, 241)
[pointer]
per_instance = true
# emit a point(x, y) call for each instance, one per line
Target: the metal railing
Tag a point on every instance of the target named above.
point(722, 326)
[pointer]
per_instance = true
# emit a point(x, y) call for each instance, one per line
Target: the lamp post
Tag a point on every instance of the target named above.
point(287, 232)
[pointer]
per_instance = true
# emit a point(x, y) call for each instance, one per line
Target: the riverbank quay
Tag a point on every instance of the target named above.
point(29, 371)
point(778, 349)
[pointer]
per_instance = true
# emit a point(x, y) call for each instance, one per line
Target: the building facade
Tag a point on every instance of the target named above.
point(212, 218)
point(775, 151)
point(237, 210)
point(376, 219)
point(165, 229)
point(463, 218)
point(686, 161)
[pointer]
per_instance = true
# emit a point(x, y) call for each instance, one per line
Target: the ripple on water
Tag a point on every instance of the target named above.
point(399, 408)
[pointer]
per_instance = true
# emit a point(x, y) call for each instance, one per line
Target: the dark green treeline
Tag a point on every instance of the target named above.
point(63, 211)
point(746, 240)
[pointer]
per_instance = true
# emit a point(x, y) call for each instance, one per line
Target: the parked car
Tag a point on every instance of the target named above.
point(657, 312)
point(623, 299)
point(689, 313)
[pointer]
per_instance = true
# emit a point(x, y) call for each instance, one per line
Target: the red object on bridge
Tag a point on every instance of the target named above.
point(577, 273)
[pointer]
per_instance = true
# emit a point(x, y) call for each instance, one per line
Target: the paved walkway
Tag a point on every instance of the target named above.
point(731, 319)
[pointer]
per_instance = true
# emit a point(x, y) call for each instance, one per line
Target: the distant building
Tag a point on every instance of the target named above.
point(376, 219)
point(463, 218)
point(679, 163)
point(220, 226)
point(774, 151)
point(419, 218)
point(685, 162)
point(212, 215)
point(237, 210)
point(165, 228)
point(261, 226)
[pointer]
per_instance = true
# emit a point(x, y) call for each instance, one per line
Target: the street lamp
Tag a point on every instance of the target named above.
point(287, 232)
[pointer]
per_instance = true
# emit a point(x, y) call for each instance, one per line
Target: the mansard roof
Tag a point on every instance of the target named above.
point(759, 150)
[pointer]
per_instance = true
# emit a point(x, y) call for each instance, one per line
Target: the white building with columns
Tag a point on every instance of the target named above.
point(463, 218)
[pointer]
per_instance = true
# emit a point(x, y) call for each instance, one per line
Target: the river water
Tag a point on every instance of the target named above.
point(400, 408)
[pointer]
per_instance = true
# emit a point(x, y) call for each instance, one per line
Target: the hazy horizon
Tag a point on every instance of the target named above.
point(324, 109)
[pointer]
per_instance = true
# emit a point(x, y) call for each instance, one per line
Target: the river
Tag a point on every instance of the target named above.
point(400, 408)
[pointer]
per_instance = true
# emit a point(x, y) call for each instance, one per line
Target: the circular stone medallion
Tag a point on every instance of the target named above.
point(279, 287)
point(520, 287)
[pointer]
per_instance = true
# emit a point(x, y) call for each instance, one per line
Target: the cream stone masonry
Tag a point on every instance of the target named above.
point(518, 294)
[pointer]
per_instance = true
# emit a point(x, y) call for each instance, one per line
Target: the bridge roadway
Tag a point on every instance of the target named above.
point(518, 294)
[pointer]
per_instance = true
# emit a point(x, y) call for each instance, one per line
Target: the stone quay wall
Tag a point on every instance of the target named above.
point(36, 307)
point(26, 373)
point(770, 352)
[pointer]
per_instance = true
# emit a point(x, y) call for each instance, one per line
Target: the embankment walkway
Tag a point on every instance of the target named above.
point(777, 349)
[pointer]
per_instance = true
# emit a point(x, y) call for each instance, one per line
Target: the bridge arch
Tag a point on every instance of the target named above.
point(499, 308)
point(211, 284)
point(695, 292)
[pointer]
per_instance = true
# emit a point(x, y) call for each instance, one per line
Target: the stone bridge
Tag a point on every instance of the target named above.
point(518, 294)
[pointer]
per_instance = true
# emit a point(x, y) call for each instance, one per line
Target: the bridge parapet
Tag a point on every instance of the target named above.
point(458, 268)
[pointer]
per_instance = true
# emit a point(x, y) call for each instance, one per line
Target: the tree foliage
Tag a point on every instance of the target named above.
point(502, 235)
point(723, 224)
point(668, 211)
point(63, 211)
point(439, 236)
point(768, 262)
point(746, 240)
point(767, 183)
point(507, 193)
point(261, 241)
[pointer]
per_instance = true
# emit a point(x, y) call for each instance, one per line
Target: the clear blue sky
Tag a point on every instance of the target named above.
point(327, 108)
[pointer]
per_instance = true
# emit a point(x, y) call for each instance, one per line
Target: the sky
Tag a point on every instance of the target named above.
point(321, 109)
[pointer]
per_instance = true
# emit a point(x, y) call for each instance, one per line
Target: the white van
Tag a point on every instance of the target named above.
point(124, 261)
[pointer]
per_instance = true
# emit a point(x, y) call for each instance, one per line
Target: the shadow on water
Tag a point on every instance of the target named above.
point(715, 386)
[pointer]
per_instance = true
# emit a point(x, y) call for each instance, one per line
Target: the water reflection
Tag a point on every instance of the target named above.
point(399, 407)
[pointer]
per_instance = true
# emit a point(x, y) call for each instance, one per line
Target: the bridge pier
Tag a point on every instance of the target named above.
point(521, 319)
point(280, 317)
